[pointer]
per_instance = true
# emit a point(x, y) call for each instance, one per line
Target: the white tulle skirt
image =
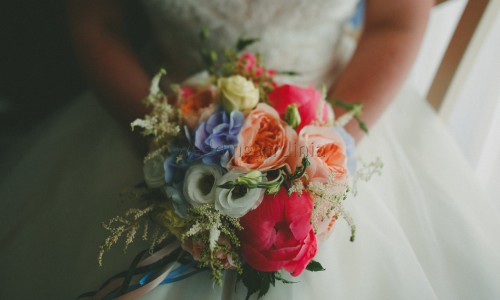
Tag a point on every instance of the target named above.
point(424, 228)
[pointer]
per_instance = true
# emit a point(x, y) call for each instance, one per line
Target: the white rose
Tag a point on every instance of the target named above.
point(236, 202)
point(238, 93)
point(154, 174)
point(199, 183)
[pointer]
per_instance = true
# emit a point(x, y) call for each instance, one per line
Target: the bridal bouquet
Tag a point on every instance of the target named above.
point(243, 174)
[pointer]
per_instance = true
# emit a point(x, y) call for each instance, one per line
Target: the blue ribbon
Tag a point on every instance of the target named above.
point(176, 275)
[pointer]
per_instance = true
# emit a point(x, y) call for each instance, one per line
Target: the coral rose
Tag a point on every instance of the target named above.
point(278, 234)
point(197, 104)
point(326, 151)
point(311, 105)
point(265, 141)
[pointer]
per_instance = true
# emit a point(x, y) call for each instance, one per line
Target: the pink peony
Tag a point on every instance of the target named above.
point(278, 234)
point(311, 105)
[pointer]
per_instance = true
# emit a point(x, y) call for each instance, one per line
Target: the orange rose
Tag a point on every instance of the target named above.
point(265, 141)
point(197, 104)
point(326, 151)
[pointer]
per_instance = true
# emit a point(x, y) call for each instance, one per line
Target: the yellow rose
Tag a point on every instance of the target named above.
point(238, 93)
point(167, 217)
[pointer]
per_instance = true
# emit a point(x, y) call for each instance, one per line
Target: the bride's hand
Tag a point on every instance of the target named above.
point(386, 50)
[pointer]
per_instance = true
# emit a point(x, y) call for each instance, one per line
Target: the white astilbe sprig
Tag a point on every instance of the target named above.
point(342, 213)
point(159, 151)
point(214, 236)
point(209, 228)
point(193, 230)
point(297, 187)
point(365, 172)
point(328, 198)
point(127, 226)
point(162, 123)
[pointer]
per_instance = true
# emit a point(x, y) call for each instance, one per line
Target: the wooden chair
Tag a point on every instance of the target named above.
point(460, 55)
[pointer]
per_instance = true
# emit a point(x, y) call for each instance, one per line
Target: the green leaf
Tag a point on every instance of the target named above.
point(349, 107)
point(209, 57)
point(251, 280)
point(204, 34)
point(301, 170)
point(314, 266)
point(244, 43)
point(288, 73)
point(283, 280)
point(265, 284)
point(342, 104)
point(361, 124)
point(257, 282)
point(227, 185)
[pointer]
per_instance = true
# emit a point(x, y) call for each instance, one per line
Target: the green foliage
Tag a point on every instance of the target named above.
point(244, 42)
point(162, 121)
point(135, 221)
point(209, 228)
point(288, 73)
point(300, 170)
point(352, 107)
point(272, 187)
point(127, 226)
point(314, 266)
point(259, 282)
point(361, 124)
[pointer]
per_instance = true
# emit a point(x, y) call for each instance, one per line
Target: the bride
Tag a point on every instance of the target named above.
point(425, 230)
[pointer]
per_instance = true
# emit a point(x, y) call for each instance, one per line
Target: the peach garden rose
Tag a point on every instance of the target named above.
point(326, 151)
point(265, 141)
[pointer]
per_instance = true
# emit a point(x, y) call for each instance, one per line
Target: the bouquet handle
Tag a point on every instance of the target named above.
point(145, 274)
point(229, 285)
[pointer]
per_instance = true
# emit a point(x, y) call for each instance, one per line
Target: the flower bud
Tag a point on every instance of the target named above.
point(250, 179)
point(237, 200)
point(274, 186)
point(273, 189)
point(292, 116)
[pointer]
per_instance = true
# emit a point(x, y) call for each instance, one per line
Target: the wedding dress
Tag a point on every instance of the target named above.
point(424, 228)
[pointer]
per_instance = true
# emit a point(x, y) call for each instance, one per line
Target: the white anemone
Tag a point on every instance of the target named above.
point(200, 182)
point(236, 202)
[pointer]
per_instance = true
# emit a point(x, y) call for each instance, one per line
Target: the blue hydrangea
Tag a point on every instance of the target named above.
point(179, 203)
point(216, 137)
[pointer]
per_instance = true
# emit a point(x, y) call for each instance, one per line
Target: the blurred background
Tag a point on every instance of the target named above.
point(471, 107)
point(38, 70)
point(36, 61)
point(39, 75)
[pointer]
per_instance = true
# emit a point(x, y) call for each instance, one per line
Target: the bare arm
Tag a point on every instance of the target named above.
point(386, 50)
point(111, 66)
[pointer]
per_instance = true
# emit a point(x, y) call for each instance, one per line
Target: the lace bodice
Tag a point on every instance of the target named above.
point(298, 35)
